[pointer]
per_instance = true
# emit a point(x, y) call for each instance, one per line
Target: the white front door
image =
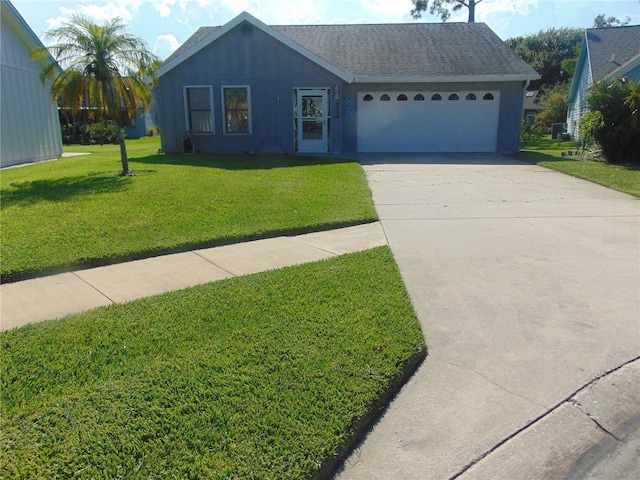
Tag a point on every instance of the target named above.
point(312, 121)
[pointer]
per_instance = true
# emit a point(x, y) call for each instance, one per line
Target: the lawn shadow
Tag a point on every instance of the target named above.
point(59, 189)
point(239, 161)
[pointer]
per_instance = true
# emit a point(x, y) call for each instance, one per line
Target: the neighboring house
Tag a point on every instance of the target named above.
point(612, 52)
point(144, 121)
point(410, 87)
point(29, 125)
point(531, 106)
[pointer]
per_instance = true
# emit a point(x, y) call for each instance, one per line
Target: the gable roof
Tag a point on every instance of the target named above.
point(205, 36)
point(386, 52)
point(610, 49)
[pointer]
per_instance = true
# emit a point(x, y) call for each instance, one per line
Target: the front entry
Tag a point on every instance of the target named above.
point(312, 121)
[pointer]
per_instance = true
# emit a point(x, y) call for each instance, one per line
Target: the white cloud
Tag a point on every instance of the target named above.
point(386, 11)
point(165, 45)
point(489, 8)
point(106, 12)
point(163, 7)
point(124, 9)
point(292, 12)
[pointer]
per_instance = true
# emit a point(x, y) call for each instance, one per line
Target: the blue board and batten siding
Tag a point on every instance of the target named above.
point(29, 124)
point(271, 70)
point(249, 56)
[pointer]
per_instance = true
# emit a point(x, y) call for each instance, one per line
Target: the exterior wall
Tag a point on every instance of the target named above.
point(634, 74)
point(29, 126)
point(511, 103)
point(271, 69)
point(144, 122)
point(578, 105)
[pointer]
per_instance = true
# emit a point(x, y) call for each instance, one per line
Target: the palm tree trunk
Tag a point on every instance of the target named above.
point(123, 153)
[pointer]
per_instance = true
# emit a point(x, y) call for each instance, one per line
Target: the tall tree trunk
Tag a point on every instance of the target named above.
point(123, 153)
point(472, 11)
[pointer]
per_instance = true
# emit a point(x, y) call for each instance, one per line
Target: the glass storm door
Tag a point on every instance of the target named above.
point(312, 121)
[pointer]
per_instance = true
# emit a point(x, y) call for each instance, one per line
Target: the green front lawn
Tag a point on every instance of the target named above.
point(267, 376)
point(548, 153)
point(77, 211)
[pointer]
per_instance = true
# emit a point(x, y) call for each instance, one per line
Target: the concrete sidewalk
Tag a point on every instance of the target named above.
point(527, 284)
point(57, 295)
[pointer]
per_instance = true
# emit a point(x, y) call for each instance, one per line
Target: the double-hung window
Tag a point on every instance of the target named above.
point(198, 106)
point(236, 102)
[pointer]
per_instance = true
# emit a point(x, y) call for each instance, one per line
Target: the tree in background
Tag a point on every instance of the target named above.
point(546, 51)
point(440, 8)
point(106, 72)
point(554, 103)
point(602, 21)
point(618, 134)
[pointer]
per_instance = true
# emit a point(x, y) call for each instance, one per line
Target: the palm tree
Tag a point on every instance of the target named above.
point(106, 72)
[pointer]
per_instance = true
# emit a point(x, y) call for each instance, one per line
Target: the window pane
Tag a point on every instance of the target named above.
point(199, 98)
point(312, 130)
point(237, 121)
point(235, 98)
point(236, 106)
point(201, 121)
point(311, 107)
point(199, 118)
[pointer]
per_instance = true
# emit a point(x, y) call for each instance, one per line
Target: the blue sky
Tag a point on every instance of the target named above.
point(165, 24)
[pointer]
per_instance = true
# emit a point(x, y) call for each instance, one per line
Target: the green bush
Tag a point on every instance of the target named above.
point(528, 134)
point(618, 102)
point(99, 133)
point(589, 124)
point(555, 110)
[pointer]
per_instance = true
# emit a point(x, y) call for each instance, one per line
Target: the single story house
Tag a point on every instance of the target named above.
point(610, 52)
point(411, 87)
point(29, 126)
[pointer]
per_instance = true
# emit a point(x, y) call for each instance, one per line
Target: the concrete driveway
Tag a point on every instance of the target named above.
point(527, 284)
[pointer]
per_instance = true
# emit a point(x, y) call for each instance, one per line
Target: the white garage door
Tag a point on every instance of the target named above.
point(460, 121)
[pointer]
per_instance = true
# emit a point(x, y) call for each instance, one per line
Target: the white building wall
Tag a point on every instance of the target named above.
point(29, 125)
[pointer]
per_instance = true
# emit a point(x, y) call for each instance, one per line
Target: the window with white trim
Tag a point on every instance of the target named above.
point(198, 109)
point(236, 106)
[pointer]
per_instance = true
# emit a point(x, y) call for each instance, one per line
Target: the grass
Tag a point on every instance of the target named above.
point(79, 212)
point(268, 376)
point(548, 153)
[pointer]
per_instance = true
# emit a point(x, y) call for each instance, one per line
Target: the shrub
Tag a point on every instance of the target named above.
point(99, 133)
point(555, 110)
point(589, 124)
point(618, 102)
point(527, 133)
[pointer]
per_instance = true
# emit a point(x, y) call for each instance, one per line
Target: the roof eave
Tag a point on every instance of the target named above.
point(627, 67)
point(445, 78)
point(244, 16)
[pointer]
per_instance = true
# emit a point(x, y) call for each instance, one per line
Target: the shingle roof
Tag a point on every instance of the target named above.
point(403, 50)
point(410, 49)
point(621, 42)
